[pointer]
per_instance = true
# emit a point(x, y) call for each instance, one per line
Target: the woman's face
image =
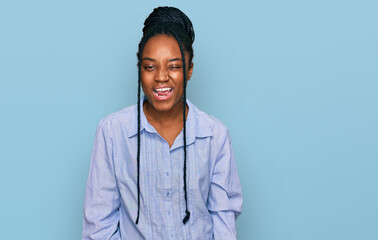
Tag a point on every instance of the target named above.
point(162, 73)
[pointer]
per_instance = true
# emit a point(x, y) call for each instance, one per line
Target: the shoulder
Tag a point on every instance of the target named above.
point(121, 115)
point(205, 120)
point(124, 118)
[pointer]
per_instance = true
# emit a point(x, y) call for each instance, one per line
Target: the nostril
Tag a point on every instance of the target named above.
point(162, 76)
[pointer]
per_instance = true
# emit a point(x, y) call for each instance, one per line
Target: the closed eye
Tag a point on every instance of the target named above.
point(175, 67)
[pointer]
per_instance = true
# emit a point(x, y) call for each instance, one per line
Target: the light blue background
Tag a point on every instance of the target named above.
point(295, 82)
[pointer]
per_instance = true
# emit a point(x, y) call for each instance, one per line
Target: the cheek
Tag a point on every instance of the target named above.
point(145, 84)
point(145, 75)
point(146, 78)
point(177, 76)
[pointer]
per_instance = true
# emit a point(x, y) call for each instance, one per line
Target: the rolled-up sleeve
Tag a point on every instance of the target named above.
point(102, 198)
point(225, 196)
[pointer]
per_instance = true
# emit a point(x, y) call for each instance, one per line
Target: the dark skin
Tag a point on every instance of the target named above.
point(162, 68)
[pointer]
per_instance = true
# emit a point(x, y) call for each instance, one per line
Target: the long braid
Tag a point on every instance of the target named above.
point(138, 153)
point(187, 213)
point(139, 122)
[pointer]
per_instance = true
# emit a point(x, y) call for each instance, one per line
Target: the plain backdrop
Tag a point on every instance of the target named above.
point(295, 81)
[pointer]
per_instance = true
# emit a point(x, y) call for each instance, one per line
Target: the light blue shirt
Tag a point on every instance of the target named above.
point(214, 192)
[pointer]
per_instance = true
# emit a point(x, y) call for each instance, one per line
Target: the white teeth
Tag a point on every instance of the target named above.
point(162, 89)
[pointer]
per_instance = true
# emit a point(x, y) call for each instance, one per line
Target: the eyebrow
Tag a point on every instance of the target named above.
point(174, 59)
point(153, 60)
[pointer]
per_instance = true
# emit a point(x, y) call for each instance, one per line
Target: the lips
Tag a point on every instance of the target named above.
point(163, 93)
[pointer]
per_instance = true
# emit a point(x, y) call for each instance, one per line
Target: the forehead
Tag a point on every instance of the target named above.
point(161, 46)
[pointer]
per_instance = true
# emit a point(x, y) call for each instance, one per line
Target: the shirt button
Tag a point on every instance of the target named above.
point(167, 194)
point(167, 174)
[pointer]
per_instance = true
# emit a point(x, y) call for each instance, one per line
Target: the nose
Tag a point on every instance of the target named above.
point(161, 75)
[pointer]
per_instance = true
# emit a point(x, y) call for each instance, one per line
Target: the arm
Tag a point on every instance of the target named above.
point(225, 197)
point(102, 197)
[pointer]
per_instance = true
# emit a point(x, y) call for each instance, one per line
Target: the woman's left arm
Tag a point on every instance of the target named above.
point(225, 197)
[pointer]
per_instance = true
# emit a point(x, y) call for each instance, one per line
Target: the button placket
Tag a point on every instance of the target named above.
point(167, 193)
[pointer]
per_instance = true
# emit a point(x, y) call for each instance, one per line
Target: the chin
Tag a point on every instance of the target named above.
point(163, 107)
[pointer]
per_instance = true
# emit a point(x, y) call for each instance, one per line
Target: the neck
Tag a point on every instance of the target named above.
point(164, 118)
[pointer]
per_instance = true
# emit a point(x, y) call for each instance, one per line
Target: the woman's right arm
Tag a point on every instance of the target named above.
point(102, 198)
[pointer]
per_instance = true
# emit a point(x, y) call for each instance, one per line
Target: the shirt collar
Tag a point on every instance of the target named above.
point(194, 127)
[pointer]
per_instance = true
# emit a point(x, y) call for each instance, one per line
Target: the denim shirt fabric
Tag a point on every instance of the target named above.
point(213, 186)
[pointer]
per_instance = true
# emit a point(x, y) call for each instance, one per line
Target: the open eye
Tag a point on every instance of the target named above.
point(149, 68)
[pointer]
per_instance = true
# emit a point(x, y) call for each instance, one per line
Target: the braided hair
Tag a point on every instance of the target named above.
point(171, 22)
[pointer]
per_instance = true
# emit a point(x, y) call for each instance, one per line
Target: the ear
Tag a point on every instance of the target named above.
point(190, 71)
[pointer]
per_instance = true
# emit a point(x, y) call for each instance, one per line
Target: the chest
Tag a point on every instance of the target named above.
point(168, 133)
point(161, 165)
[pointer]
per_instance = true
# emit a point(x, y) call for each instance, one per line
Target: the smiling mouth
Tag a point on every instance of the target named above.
point(163, 93)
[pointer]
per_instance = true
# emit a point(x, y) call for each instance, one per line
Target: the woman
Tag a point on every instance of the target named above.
point(162, 169)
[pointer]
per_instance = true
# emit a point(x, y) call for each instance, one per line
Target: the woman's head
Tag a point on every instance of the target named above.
point(170, 23)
